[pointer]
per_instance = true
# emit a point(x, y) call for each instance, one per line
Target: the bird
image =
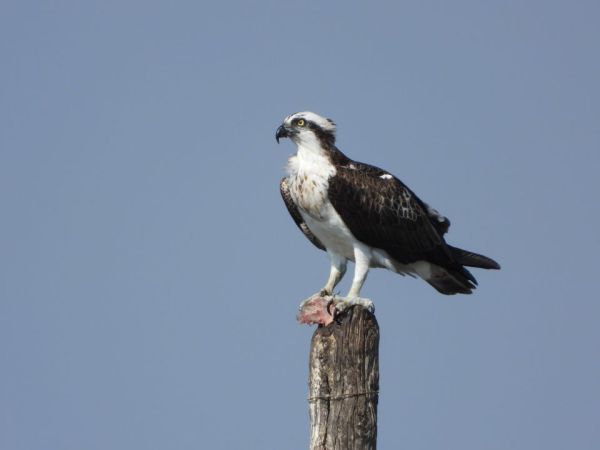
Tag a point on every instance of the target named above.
point(361, 213)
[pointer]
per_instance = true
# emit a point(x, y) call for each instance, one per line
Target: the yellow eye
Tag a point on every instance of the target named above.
point(301, 122)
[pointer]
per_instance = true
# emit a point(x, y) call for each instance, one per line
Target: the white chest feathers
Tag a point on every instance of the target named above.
point(309, 174)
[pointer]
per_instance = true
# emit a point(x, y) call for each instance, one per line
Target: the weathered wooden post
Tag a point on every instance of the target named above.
point(344, 382)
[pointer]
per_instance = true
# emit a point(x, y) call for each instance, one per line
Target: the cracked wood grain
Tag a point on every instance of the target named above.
point(344, 382)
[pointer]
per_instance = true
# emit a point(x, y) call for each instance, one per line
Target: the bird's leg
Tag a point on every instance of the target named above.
point(336, 273)
point(362, 261)
point(318, 307)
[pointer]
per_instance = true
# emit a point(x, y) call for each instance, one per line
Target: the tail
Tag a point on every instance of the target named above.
point(457, 279)
point(451, 281)
point(471, 259)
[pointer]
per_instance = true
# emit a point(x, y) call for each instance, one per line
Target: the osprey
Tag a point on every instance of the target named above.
point(364, 214)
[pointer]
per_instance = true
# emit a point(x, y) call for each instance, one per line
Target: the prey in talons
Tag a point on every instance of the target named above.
point(323, 308)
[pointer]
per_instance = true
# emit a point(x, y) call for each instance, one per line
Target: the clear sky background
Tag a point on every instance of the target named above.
point(150, 275)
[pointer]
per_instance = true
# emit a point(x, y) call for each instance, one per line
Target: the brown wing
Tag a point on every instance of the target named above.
point(293, 210)
point(383, 213)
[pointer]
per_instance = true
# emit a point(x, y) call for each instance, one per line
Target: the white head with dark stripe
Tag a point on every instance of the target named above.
point(307, 129)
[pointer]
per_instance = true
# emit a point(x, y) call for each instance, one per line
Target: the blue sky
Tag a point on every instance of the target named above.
point(150, 275)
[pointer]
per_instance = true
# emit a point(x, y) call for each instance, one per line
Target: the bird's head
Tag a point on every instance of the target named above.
point(307, 128)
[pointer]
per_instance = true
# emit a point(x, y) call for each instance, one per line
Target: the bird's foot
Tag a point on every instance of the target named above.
point(343, 303)
point(323, 309)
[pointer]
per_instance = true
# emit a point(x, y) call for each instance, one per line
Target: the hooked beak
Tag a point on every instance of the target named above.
point(281, 132)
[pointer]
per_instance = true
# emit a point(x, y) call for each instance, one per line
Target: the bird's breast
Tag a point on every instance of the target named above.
point(309, 192)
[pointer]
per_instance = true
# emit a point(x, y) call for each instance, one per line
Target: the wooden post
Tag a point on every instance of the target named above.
point(344, 382)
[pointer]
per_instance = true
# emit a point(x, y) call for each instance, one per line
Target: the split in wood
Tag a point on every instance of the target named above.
point(344, 382)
